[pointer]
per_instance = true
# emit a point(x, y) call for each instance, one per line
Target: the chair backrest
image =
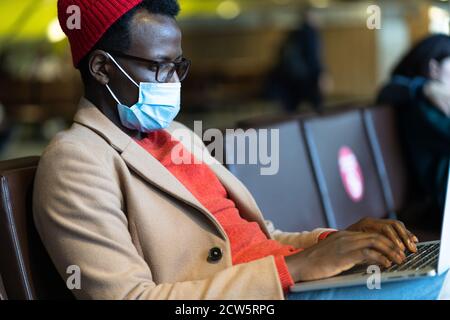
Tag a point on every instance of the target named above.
point(269, 120)
point(27, 270)
point(382, 128)
point(345, 168)
point(290, 197)
point(2, 290)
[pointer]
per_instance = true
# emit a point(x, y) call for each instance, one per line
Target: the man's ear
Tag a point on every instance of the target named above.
point(435, 69)
point(99, 68)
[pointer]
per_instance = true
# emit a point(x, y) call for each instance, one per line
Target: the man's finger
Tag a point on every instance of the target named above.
point(412, 237)
point(371, 256)
point(386, 247)
point(403, 233)
point(376, 242)
point(389, 231)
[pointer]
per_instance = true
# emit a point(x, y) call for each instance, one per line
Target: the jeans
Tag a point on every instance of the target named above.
point(429, 288)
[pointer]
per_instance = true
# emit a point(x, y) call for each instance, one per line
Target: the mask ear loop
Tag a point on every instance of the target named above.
point(112, 93)
point(121, 69)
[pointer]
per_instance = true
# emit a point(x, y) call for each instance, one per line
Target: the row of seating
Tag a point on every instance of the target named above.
point(26, 268)
point(307, 192)
point(334, 169)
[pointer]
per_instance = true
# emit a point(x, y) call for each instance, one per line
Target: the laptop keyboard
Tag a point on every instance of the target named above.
point(425, 256)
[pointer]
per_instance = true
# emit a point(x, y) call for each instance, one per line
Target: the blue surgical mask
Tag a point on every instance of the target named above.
point(157, 106)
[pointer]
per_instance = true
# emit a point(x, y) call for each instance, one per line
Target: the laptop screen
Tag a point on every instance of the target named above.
point(444, 252)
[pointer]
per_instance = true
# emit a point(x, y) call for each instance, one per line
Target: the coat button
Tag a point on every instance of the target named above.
point(215, 254)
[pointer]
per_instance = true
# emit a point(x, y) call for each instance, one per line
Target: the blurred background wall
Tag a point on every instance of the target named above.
point(233, 45)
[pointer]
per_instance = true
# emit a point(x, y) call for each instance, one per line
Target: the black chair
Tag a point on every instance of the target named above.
point(381, 124)
point(290, 197)
point(402, 195)
point(345, 167)
point(28, 273)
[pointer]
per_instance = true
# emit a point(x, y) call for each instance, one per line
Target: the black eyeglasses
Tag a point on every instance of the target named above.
point(164, 71)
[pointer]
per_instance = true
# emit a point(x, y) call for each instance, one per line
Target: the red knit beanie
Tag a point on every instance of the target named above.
point(85, 21)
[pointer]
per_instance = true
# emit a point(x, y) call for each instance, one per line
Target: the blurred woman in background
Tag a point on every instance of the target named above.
point(420, 91)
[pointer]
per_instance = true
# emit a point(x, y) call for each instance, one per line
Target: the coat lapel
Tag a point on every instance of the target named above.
point(151, 170)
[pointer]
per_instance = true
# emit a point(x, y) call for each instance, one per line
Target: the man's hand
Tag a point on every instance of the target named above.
point(341, 251)
point(392, 229)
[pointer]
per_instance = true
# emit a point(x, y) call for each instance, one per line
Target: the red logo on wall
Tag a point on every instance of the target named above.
point(351, 174)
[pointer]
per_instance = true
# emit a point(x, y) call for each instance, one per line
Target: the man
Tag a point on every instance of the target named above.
point(299, 75)
point(110, 199)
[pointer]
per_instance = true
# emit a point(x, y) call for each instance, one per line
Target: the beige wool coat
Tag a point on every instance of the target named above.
point(104, 204)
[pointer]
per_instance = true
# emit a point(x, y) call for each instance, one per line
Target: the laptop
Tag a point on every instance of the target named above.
point(431, 259)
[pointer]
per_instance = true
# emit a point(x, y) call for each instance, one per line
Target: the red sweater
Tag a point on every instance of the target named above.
point(248, 242)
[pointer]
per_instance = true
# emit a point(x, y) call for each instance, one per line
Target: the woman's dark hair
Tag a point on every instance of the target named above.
point(118, 35)
point(416, 63)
